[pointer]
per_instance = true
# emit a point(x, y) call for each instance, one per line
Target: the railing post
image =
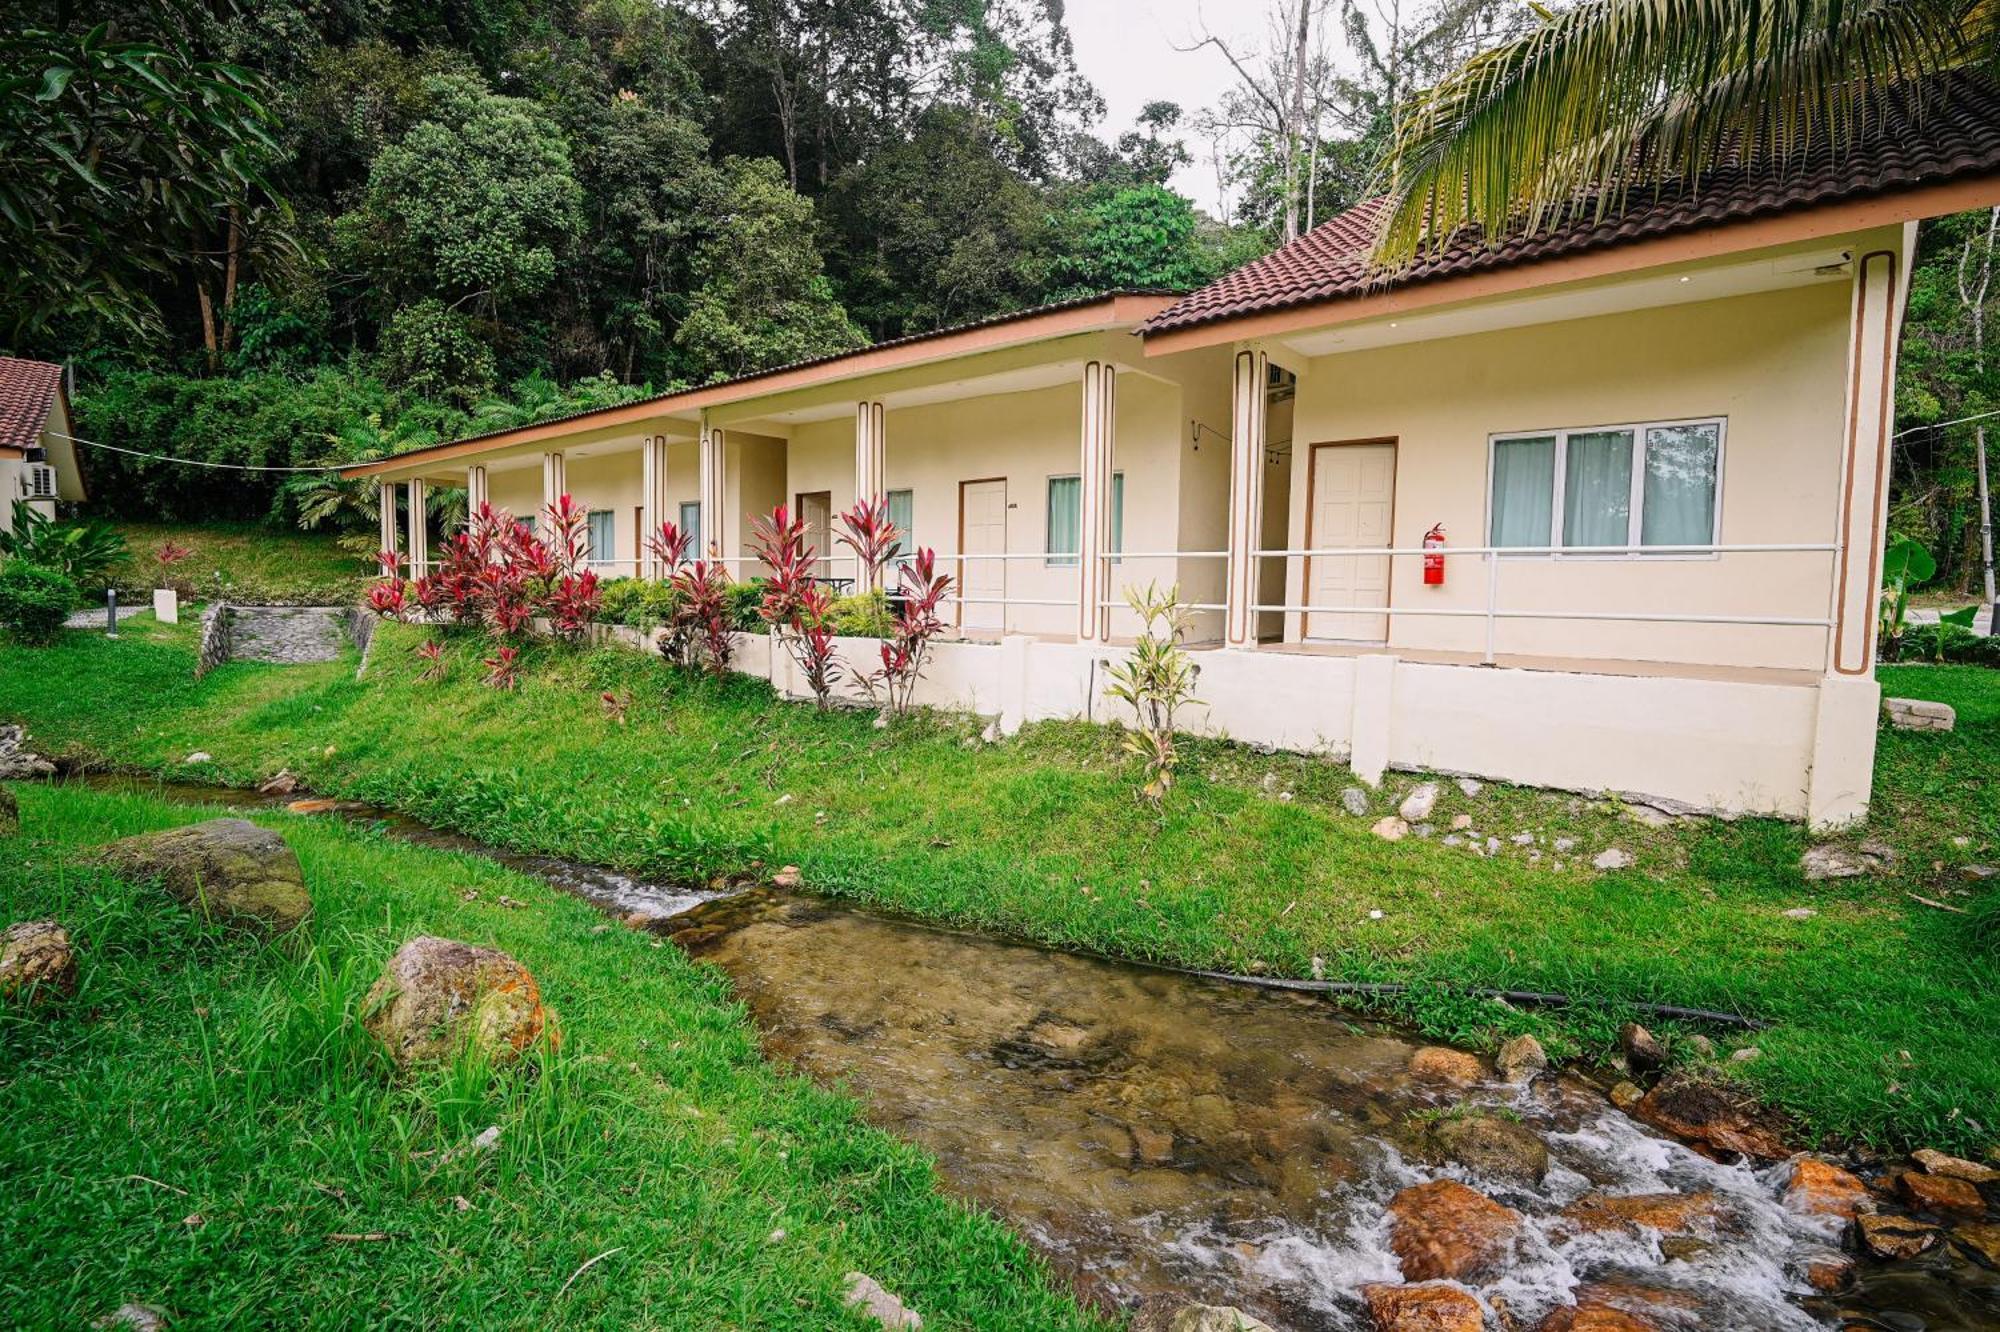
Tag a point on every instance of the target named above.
point(1492, 600)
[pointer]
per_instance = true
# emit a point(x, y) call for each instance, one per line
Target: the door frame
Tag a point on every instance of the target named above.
point(1312, 497)
point(958, 620)
point(823, 564)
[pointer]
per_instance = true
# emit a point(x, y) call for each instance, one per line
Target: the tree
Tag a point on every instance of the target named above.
point(1142, 236)
point(1613, 96)
point(762, 299)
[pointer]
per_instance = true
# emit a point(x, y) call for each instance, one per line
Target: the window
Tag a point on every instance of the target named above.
point(1638, 485)
point(903, 513)
point(690, 526)
point(1065, 526)
point(603, 535)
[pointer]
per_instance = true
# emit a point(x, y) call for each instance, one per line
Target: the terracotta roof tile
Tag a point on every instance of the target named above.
point(27, 390)
point(1959, 137)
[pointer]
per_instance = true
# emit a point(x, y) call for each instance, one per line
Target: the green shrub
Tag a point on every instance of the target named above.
point(743, 599)
point(1949, 643)
point(83, 552)
point(34, 601)
point(639, 602)
point(863, 615)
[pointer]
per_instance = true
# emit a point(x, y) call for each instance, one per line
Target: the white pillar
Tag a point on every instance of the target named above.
point(1876, 314)
point(869, 449)
point(420, 549)
point(387, 493)
point(555, 484)
point(712, 461)
point(1095, 466)
point(652, 502)
point(1246, 497)
point(476, 493)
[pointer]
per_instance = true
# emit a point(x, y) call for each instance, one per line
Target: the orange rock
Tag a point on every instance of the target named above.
point(1937, 1163)
point(1819, 1188)
point(1712, 1117)
point(1895, 1236)
point(316, 805)
point(1593, 1318)
point(1444, 1231)
point(1667, 1213)
point(1982, 1238)
point(1438, 1063)
point(1940, 1193)
point(1829, 1272)
point(437, 996)
point(1423, 1309)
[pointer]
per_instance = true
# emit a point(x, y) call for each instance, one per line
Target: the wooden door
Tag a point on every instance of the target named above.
point(1352, 503)
point(982, 530)
point(815, 510)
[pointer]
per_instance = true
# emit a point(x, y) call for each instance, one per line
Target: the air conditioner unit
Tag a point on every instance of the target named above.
point(38, 481)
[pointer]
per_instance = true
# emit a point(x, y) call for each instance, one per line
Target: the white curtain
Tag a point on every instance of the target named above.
point(1524, 488)
point(691, 528)
point(1597, 488)
point(1680, 485)
point(603, 534)
point(1065, 519)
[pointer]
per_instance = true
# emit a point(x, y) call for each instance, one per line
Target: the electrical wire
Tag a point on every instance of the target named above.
point(185, 462)
point(1940, 425)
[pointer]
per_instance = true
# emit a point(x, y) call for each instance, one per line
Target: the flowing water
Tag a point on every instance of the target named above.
point(1156, 1133)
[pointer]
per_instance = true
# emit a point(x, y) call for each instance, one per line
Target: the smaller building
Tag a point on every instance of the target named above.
point(37, 454)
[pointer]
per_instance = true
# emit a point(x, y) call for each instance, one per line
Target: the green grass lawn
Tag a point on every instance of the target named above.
point(254, 560)
point(190, 1129)
point(1885, 1010)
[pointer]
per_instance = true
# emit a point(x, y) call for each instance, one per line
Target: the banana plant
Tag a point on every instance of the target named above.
point(1905, 565)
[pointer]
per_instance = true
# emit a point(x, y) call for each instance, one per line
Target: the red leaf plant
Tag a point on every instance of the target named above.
point(388, 598)
point(615, 705)
point(670, 546)
point(795, 603)
point(432, 653)
point(866, 530)
point(503, 668)
point(907, 649)
point(700, 632)
point(499, 575)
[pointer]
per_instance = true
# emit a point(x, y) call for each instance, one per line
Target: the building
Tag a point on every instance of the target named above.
point(37, 457)
point(1654, 446)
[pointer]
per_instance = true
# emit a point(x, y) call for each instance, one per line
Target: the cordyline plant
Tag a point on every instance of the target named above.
point(670, 546)
point(503, 668)
point(1157, 679)
point(921, 590)
point(700, 630)
point(795, 605)
point(166, 556)
point(866, 530)
point(389, 597)
point(431, 653)
point(499, 575)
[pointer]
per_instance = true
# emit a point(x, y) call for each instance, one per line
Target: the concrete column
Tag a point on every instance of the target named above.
point(713, 460)
point(870, 439)
point(555, 484)
point(1246, 496)
point(1876, 314)
point(652, 502)
point(420, 546)
point(1095, 465)
point(387, 499)
point(1374, 701)
point(476, 493)
point(1843, 752)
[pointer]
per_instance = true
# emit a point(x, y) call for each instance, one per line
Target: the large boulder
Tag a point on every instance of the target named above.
point(227, 869)
point(36, 963)
point(438, 997)
point(1665, 1214)
point(1444, 1231)
point(1713, 1117)
point(1430, 1308)
point(1490, 1146)
point(1820, 1188)
point(1169, 1315)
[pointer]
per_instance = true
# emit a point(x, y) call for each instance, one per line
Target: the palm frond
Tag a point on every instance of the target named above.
point(1618, 95)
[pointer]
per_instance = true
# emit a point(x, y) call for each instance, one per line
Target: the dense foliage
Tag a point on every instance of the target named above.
point(34, 601)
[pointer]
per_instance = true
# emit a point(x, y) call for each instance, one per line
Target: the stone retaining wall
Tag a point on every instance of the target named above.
point(214, 646)
point(281, 635)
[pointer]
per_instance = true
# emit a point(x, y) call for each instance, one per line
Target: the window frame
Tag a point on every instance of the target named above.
point(1635, 516)
point(1114, 539)
point(591, 555)
point(681, 508)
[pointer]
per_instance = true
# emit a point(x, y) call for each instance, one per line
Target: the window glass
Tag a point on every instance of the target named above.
point(690, 526)
point(603, 534)
point(1065, 537)
point(903, 513)
point(1679, 507)
point(1597, 488)
point(1117, 512)
point(1524, 488)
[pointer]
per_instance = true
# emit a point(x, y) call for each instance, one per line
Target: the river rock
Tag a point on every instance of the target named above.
point(1490, 1146)
point(1828, 861)
point(866, 1294)
point(17, 762)
point(1612, 858)
point(1441, 1063)
point(787, 877)
point(1470, 787)
point(1427, 1308)
point(10, 813)
point(1627, 1095)
point(1444, 1231)
point(36, 962)
point(1593, 1317)
point(1819, 1188)
point(1667, 1214)
point(1521, 1058)
point(1390, 829)
point(1895, 1237)
point(133, 1318)
point(1355, 801)
point(1419, 803)
point(1957, 1167)
point(437, 995)
point(1940, 1193)
point(1643, 1050)
point(1981, 1238)
point(225, 868)
point(1711, 1115)
point(1828, 1270)
point(281, 783)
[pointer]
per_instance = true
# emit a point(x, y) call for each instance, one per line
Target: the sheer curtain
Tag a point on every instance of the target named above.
point(1065, 519)
point(1524, 487)
point(1680, 485)
point(1597, 488)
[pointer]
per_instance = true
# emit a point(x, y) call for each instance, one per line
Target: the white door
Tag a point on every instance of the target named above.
point(1353, 495)
point(816, 512)
point(982, 530)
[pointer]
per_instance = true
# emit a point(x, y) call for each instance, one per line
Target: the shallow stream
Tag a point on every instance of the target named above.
point(1156, 1133)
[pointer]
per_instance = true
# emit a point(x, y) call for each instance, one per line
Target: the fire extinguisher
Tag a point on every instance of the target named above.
point(1434, 556)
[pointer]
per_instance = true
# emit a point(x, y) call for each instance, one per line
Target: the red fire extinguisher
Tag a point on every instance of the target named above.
point(1434, 556)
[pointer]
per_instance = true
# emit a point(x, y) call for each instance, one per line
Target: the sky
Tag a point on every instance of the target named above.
point(1126, 48)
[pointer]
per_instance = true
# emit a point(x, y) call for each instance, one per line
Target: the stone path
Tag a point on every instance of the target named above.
point(286, 635)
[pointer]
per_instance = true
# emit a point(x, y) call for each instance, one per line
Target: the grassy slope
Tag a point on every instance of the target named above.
point(252, 557)
point(235, 1076)
point(1042, 837)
